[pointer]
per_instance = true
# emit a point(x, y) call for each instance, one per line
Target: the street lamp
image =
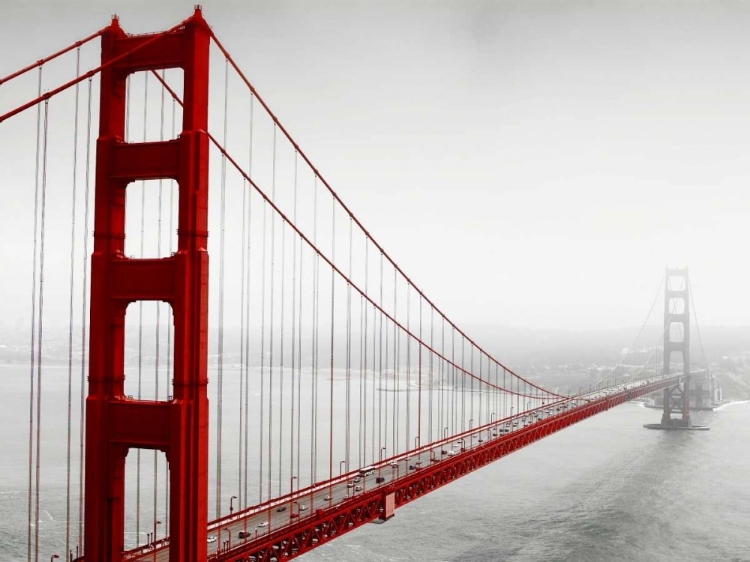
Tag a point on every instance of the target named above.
point(341, 467)
point(229, 540)
point(291, 484)
point(153, 537)
point(445, 432)
point(471, 423)
point(53, 557)
point(416, 442)
point(231, 504)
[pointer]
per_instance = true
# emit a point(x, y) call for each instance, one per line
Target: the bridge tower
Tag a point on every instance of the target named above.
point(677, 314)
point(116, 423)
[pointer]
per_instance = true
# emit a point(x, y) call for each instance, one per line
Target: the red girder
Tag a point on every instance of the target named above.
point(115, 423)
point(328, 523)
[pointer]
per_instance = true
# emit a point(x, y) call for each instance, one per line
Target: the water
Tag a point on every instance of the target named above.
point(603, 490)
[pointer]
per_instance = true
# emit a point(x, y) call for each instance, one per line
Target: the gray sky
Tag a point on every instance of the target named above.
point(527, 164)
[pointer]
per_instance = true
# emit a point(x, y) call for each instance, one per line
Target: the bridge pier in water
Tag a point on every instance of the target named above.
point(676, 399)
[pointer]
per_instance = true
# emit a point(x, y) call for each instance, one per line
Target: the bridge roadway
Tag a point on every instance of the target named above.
point(262, 525)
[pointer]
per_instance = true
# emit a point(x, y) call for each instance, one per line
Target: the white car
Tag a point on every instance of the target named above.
point(211, 538)
point(263, 524)
point(393, 463)
point(302, 507)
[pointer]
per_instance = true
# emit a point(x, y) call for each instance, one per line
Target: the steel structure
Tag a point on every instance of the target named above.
point(116, 423)
point(677, 315)
point(446, 388)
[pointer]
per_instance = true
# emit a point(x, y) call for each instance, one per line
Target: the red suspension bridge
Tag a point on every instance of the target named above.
point(339, 391)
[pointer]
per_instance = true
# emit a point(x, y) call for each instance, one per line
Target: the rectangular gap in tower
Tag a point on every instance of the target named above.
point(675, 362)
point(676, 332)
point(146, 497)
point(676, 305)
point(149, 350)
point(152, 114)
point(151, 209)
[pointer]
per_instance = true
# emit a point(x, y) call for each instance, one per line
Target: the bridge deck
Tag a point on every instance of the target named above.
point(291, 525)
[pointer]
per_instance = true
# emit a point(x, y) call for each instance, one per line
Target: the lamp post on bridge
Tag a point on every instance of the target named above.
point(341, 469)
point(229, 539)
point(231, 505)
point(380, 464)
point(291, 484)
point(53, 557)
point(445, 432)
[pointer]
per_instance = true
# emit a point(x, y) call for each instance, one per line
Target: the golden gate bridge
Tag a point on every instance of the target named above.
point(349, 393)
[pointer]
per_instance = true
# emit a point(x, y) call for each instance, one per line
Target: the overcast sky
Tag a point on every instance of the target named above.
point(531, 164)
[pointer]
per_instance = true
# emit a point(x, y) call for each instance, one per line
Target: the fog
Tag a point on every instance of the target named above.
point(531, 165)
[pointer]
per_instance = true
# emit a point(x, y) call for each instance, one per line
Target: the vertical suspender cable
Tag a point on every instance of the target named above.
point(158, 318)
point(84, 303)
point(270, 329)
point(247, 304)
point(463, 384)
point(40, 334)
point(364, 357)
point(281, 353)
point(380, 367)
point(32, 361)
point(294, 334)
point(170, 328)
point(373, 371)
point(419, 388)
point(408, 365)
point(316, 316)
point(333, 302)
point(299, 354)
point(140, 321)
point(384, 372)
point(243, 358)
point(261, 427)
point(394, 439)
point(441, 389)
point(71, 303)
point(222, 248)
point(349, 351)
point(432, 376)
point(362, 427)
point(454, 382)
